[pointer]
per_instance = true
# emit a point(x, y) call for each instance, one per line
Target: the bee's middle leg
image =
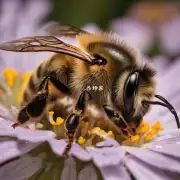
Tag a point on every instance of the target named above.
point(72, 121)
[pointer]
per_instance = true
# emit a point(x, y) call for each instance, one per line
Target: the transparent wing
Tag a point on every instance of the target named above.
point(55, 29)
point(45, 43)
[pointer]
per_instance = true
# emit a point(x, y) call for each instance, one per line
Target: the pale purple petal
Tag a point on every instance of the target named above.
point(135, 32)
point(114, 173)
point(167, 143)
point(80, 153)
point(69, 170)
point(58, 147)
point(104, 156)
point(24, 134)
point(108, 142)
point(160, 64)
point(169, 36)
point(168, 83)
point(4, 113)
point(22, 168)
point(143, 171)
point(10, 148)
point(87, 173)
point(171, 150)
point(155, 159)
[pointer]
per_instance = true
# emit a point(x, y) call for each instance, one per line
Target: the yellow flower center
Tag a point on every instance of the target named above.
point(10, 75)
point(110, 133)
point(94, 130)
point(144, 133)
point(81, 140)
point(134, 138)
point(25, 80)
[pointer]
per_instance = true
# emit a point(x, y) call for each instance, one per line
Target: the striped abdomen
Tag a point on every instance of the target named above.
point(57, 66)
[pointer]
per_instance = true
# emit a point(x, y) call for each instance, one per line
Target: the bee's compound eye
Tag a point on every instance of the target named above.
point(130, 90)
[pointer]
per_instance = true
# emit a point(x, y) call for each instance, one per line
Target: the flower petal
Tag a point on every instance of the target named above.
point(24, 134)
point(167, 137)
point(106, 156)
point(22, 168)
point(142, 171)
point(87, 173)
point(11, 148)
point(69, 170)
point(114, 173)
point(58, 147)
point(108, 142)
point(155, 159)
point(80, 153)
point(168, 143)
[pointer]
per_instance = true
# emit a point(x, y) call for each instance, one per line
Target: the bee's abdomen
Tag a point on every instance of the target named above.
point(34, 82)
point(56, 66)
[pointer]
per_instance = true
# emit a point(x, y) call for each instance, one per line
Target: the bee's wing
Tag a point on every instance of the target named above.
point(45, 43)
point(55, 29)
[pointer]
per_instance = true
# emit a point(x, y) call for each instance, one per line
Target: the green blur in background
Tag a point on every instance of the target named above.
point(82, 12)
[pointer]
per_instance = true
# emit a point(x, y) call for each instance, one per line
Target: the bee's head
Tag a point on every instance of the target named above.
point(131, 87)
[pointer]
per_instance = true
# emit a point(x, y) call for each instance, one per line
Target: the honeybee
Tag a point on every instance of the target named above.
point(104, 71)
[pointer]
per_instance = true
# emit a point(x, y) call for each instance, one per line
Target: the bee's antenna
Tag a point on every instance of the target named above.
point(166, 104)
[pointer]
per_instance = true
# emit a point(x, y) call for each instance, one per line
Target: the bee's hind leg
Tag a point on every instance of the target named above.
point(72, 120)
point(35, 108)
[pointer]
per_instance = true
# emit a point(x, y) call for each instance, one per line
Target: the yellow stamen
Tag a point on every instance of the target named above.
point(101, 131)
point(94, 130)
point(110, 133)
point(20, 96)
point(154, 131)
point(25, 79)
point(148, 137)
point(83, 123)
point(143, 128)
point(86, 124)
point(51, 113)
point(134, 138)
point(59, 121)
point(157, 126)
point(10, 75)
point(81, 140)
point(53, 123)
point(39, 125)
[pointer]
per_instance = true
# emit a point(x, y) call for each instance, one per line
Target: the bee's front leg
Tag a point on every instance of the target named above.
point(72, 120)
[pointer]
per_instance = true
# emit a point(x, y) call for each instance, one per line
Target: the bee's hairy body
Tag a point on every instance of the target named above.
point(78, 75)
